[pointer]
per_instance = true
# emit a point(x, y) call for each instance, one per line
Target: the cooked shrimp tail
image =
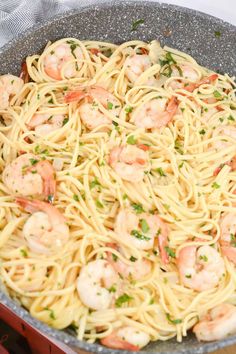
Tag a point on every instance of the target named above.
point(47, 173)
point(114, 342)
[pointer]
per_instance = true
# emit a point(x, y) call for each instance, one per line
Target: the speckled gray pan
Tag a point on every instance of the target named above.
point(211, 41)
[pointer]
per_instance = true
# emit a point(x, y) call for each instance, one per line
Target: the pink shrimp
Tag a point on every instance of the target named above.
point(200, 268)
point(45, 230)
point(127, 338)
point(155, 113)
point(27, 175)
point(56, 60)
point(138, 270)
point(141, 230)
point(90, 113)
point(129, 162)
point(218, 324)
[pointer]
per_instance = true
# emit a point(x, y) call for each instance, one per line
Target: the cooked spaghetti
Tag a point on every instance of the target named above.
point(117, 196)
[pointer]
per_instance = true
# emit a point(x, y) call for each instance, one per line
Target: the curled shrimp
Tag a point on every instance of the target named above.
point(218, 324)
point(127, 338)
point(44, 124)
point(228, 236)
point(93, 284)
point(142, 230)
point(136, 65)
point(200, 268)
point(155, 113)
point(129, 162)
point(138, 270)
point(45, 230)
point(10, 86)
point(89, 111)
point(27, 175)
point(55, 61)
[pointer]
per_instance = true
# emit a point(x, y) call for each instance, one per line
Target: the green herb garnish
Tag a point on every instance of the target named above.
point(122, 300)
point(177, 321)
point(139, 236)
point(136, 24)
point(131, 140)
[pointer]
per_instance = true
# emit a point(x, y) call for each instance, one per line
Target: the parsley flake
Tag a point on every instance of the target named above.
point(122, 299)
point(136, 24)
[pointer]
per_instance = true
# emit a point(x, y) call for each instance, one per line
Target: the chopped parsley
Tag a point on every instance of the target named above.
point(112, 289)
point(169, 60)
point(217, 94)
point(144, 226)
point(202, 132)
point(160, 171)
point(94, 183)
point(131, 140)
point(75, 197)
point(99, 204)
point(50, 198)
point(177, 321)
point(170, 252)
point(136, 24)
point(66, 120)
point(109, 105)
point(203, 258)
point(232, 240)
point(215, 185)
point(231, 118)
point(139, 236)
point(181, 164)
point(138, 208)
point(133, 259)
point(115, 123)
point(178, 147)
point(114, 257)
point(24, 253)
point(217, 34)
point(128, 109)
point(122, 300)
point(51, 313)
point(188, 276)
point(33, 161)
point(51, 101)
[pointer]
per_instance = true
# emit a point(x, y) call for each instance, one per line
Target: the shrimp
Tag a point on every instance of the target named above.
point(93, 284)
point(227, 130)
point(56, 61)
point(190, 74)
point(129, 162)
point(27, 175)
point(218, 324)
point(127, 338)
point(44, 124)
point(45, 230)
point(89, 111)
point(200, 268)
point(155, 113)
point(10, 85)
point(138, 270)
point(135, 65)
point(141, 230)
point(228, 236)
